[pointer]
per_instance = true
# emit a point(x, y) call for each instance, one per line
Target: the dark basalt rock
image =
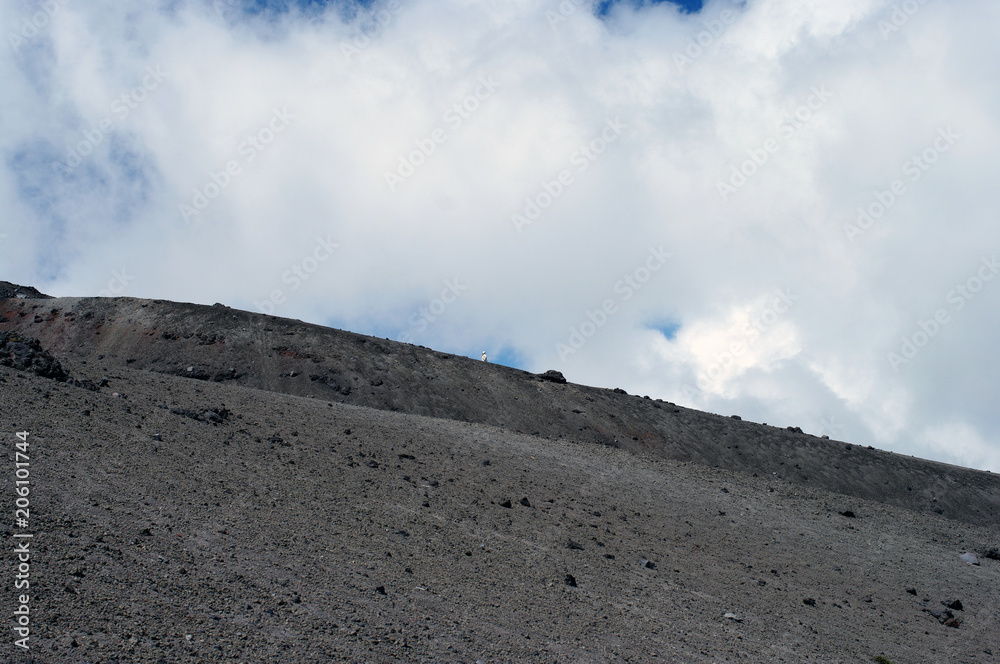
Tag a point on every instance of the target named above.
point(26, 354)
point(552, 376)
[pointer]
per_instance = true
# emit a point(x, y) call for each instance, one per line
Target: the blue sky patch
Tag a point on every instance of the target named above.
point(667, 329)
point(349, 7)
point(687, 6)
point(508, 357)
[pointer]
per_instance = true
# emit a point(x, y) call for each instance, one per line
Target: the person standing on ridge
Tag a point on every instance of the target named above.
point(484, 356)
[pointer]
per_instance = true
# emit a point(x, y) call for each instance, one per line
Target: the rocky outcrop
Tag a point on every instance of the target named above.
point(8, 290)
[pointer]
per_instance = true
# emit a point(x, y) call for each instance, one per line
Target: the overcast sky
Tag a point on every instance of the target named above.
point(777, 208)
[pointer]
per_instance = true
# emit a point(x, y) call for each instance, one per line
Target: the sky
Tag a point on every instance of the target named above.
point(780, 209)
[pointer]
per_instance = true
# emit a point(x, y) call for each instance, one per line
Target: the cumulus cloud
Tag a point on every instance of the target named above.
point(499, 174)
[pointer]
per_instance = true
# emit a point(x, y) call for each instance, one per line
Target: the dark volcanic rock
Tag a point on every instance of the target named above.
point(185, 412)
point(85, 384)
point(8, 290)
point(945, 618)
point(552, 376)
point(27, 354)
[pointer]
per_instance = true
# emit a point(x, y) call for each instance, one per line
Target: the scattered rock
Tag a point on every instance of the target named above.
point(226, 375)
point(953, 604)
point(570, 544)
point(648, 564)
point(732, 616)
point(619, 390)
point(970, 558)
point(213, 417)
point(26, 354)
point(809, 601)
point(794, 429)
point(992, 554)
point(848, 513)
point(735, 417)
point(85, 384)
point(525, 502)
point(552, 376)
point(192, 372)
point(380, 590)
point(506, 504)
point(912, 591)
point(184, 412)
point(945, 618)
point(570, 581)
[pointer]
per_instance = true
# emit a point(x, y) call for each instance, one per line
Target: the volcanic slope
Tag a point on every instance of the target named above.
point(178, 520)
point(220, 344)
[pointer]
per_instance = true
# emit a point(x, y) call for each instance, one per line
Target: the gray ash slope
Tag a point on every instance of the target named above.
point(288, 356)
point(235, 518)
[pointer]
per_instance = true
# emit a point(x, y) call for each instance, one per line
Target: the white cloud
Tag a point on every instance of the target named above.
point(747, 92)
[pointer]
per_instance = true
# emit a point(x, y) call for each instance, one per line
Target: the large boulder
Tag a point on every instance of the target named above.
point(26, 354)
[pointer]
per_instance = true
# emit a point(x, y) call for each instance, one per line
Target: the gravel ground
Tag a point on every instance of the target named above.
point(180, 520)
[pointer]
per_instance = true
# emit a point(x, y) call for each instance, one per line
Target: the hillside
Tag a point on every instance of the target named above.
point(446, 510)
point(291, 357)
